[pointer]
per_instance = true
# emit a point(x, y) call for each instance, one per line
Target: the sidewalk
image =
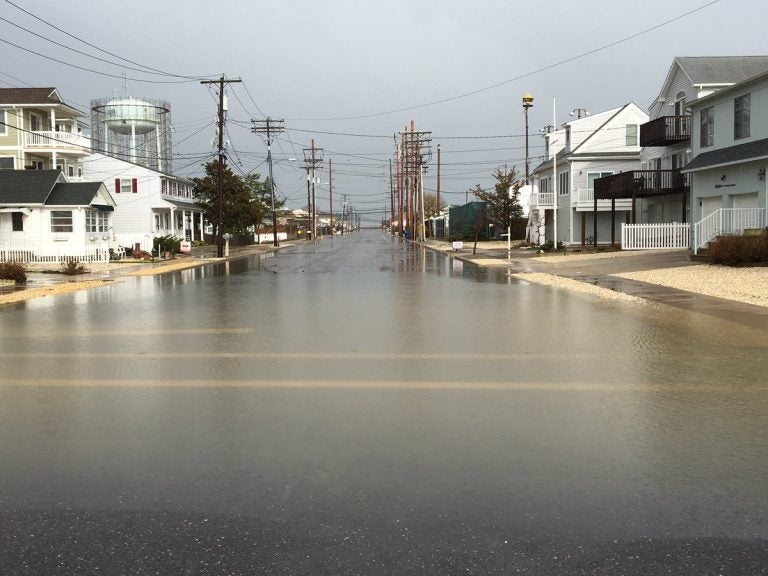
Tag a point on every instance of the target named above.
point(665, 276)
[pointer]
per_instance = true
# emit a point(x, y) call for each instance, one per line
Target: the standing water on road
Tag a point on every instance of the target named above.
point(361, 405)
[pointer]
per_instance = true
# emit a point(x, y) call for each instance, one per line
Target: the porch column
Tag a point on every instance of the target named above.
point(613, 221)
point(594, 220)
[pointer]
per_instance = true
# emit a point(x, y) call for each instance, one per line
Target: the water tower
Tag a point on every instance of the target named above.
point(132, 129)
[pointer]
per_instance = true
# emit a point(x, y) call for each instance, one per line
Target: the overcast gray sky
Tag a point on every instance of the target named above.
point(343, 66)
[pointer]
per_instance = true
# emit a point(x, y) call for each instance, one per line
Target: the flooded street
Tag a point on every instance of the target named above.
point(362, 406)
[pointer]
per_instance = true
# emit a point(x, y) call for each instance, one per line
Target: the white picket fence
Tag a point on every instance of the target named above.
point(655, 236)
point(727, 221)
point(10, 253)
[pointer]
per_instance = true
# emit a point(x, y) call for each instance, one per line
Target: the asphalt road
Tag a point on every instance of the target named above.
point(359, 406)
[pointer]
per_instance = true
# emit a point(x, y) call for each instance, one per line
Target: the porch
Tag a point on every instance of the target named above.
point(48, 139)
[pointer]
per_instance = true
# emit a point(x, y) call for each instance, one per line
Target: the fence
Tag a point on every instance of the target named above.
point(655, 236)
point(726, 221)
point(10, 253)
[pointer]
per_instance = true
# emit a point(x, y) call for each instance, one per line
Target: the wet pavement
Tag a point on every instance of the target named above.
point(364, 406)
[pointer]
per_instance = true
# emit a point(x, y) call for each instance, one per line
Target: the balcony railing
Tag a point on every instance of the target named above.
point(665, 131)
point(641, 183)
point(543, 200)
point(52, 139)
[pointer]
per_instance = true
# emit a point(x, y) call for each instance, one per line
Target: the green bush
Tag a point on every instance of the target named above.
point(168, 243)
point(738, 250)
point(13, 271)
point(73, 267)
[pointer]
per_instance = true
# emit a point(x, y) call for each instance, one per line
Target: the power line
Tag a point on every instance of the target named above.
point(521, 76)
point(102, 49)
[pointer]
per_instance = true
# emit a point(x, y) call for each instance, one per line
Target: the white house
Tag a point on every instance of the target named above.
point(660, 190)
point(148, 203)
point(44, 218)
point(578, 153)
point(730, 157)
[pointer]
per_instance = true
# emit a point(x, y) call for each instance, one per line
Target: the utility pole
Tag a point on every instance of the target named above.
point(330, 191)
point(416, 154)
point(391, 201)
point(313, 158)
point(439, 211)
point(270, 127)
point(220, 200)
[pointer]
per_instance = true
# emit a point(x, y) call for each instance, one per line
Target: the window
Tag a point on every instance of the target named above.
point(3, 120)
point(126, 185)
point(707, 126)
point(71, 170)
point(741, 107)
point(61, 221)
point(6, 162)
point(631, 135)
point(592, 176)
point(564, 183)
point(96, 221)
point(544, 185)
point(17, 221)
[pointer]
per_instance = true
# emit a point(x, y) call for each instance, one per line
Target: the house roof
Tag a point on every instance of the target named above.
point(737, 154)
point(73, 193)
point(26, 186)
point(721, 69)
point(34, 96)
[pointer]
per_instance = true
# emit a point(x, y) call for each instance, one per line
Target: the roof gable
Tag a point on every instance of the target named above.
point(78, 194)
point(30, 96)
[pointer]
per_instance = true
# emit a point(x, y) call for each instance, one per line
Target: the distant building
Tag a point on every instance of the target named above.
point(39, 131)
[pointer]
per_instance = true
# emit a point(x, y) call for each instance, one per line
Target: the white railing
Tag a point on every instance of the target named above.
point(655, 236)
point(726, 221)
point(585, 197)
point(52, 139)
point(544, 199)
point(9, 253)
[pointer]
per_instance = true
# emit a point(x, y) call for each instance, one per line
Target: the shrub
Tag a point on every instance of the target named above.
point(13, 271)
point(737, 250)
point(72, 267)
point(168, 243)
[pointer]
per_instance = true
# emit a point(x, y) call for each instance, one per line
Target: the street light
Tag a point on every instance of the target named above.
point(527, 103)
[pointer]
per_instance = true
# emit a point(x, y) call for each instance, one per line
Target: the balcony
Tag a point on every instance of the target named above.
point(65, 141)
point(543, 200)
point(641, 183)
point(584, 201)
point(665, 131)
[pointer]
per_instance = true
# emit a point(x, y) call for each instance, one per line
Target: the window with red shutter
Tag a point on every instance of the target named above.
point(117, 185)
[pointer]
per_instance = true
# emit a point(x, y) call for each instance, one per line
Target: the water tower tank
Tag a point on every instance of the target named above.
point(133, 129)
point(131, 116)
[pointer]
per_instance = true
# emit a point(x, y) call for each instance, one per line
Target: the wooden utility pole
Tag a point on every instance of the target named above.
point(220, 200)
point(438, 184)
point(330, 191)
point(313, 158)
point(270, 127)
point(391, 201)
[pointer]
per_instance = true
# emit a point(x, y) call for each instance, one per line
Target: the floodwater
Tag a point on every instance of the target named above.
point(363, 406)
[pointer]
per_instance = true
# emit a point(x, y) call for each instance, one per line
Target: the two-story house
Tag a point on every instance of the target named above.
point(148, 203)
point(38, 131)
point(578, 154)
point(659, 190)
point(730, 157)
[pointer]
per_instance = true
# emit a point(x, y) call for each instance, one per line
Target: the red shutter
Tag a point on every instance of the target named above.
point(117, 185)
point(134, 185)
